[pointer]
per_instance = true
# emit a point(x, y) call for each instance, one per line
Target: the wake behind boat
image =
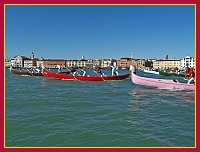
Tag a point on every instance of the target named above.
point(160, 83)
point(62, 75)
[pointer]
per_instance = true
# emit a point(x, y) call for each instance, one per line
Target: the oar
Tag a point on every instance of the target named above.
point(29, 72)
point(96, 72)
point(71, 73)
point(99, 75)
point(34, 71)
point(185, 78)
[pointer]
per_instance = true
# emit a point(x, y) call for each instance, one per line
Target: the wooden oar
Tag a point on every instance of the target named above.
point(185, 78)
point(29, 72)
point(99, 75)
point(71, 73)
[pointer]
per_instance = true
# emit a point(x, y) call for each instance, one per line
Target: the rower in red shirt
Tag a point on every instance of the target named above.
point(191, 74)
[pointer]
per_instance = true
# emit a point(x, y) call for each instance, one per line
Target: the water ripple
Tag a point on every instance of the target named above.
point(49, 112)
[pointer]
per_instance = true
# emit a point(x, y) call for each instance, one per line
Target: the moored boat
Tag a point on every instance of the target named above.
point(26, 73)
point(151, 71)
point(160, 83)
point(172, 74)
point(65, 76)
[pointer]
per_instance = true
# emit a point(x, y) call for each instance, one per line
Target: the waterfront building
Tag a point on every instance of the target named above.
point(76, 63)
point(18, 61)
point(187, 62)
point(106, 62)
point(96, 63)
point(7, 63)
point(52, 63)
point(30, 63)
point(89, 64)
point(167, 64)
point(149, 63)
point(124, 63)
point(40, 63)
point(138, 63)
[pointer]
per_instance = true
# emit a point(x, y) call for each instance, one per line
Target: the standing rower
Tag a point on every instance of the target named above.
point(113, 68)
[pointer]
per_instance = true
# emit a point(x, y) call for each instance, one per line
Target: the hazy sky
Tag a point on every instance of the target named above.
point(67, 32)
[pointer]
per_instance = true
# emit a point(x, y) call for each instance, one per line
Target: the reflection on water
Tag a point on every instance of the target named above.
point(156, 114)
point(47, 81)
point(142, 93)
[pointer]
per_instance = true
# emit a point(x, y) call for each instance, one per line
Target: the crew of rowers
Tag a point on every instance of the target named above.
point(111, 67)
point(81, 72)
point(190, 72)
point(30, 70)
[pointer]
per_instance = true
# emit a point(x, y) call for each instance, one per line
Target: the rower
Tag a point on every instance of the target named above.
point(59, 69)
point(80, 71)
point(37, 70)
point(191, 74)
point(113, 68)
point(98, 70)
point(71, 70)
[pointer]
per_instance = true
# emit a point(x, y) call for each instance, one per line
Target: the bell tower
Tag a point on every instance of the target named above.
point(82, 58)
point(132, 55)
point(166, 57)
point(32, 55)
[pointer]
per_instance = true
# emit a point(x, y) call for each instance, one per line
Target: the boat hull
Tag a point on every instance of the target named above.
point(83, 78)
point(160, 83)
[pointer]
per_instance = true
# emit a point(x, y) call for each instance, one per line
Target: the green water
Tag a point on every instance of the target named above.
point(41, 111)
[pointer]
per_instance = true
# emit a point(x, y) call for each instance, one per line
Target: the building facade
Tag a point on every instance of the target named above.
point(76, 63)
point(52, 63)
point(124, 63)
point(18, 61)
point(40, 63)
point(139, 63)
point(89, 64)
point(96, 63)
point(30, 63)
point(187, 62)
point(105, 63)
point(167, 64)
point(7, 63)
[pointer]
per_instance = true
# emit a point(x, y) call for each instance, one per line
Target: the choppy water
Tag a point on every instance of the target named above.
point(45, 112)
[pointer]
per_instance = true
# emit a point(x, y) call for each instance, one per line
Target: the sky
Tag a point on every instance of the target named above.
point(99, 32)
